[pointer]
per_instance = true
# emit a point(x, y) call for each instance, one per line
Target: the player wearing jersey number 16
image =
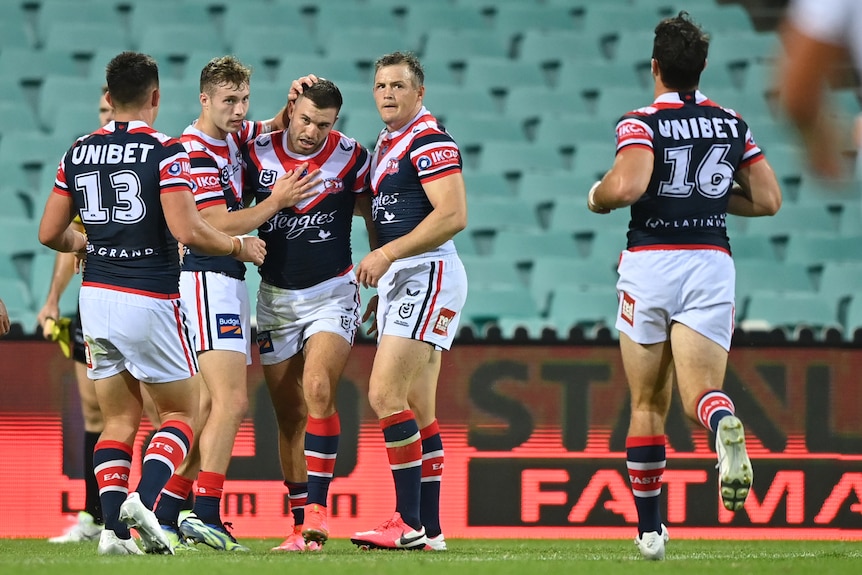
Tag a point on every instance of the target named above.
point(686, 162)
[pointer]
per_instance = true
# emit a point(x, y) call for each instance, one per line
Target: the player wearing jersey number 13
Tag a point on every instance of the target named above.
point(684, 162)
point(135, 206)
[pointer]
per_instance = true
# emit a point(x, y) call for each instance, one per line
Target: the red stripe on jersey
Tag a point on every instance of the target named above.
point(678, 247)
point(441, 174)
point(134, 291)
point(752, 160)
point(432, 307)
point(633, 146)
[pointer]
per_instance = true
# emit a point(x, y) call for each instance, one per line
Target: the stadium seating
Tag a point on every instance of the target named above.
point(789, 312)
point(588, 309)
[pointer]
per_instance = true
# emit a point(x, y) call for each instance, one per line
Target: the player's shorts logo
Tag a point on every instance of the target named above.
point(406, 310)
point(264, 342)
point(229, 326)
point(441, 326)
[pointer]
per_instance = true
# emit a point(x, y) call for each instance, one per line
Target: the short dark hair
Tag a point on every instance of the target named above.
point(130, 77)
point(680, 48)
point(225, 70)
point(409, 58)
point(324, 93)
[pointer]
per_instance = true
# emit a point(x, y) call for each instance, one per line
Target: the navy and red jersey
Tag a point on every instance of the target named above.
point(698, 146)
point(217, 176)
point(420, 152)
point(116, 177)
point(310, 242)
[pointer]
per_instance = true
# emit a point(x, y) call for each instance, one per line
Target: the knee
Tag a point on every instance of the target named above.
point(385, 401)
point(319, 395)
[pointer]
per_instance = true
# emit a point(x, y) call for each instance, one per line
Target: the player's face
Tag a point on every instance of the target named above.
point(309, 126)
point(227, 107)
point(106, 112)
point(397, 97)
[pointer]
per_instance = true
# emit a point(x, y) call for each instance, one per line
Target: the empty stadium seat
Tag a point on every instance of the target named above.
point(443, 99)
point(494, 214)
point(594, 75)
point(33, 66)
point(491, 272)
point(793, 219)
point(486, 185)
point(278, 43)
point(365, 46)
point(814, 249)
point(745, 247)
point(530, 102)
point(470, 129)
point(789, 311)
point(500, 74)
point(485, 305)
point(589, 309)
point(78, 11)
point(572, 215)
point(553, 47)
point(512, 19)
point(461, 45)
point(422, 18)
point(525, 247)
point(85, 38)
point(552, 272)
point(514, 157)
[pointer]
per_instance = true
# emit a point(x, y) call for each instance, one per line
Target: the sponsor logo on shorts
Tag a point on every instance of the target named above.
point(264, 342)
point(412, 293)
point(229, 326)
point(88, 357)
point(627, 311)
point(444, 318)
point(347, 323)
point(405, 310)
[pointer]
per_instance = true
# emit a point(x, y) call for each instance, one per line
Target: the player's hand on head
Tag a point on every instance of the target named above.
point(295, 186)
point(253, 250)
point(298, 86)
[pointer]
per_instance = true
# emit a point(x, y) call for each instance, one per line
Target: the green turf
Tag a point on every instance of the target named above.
point(467, 557)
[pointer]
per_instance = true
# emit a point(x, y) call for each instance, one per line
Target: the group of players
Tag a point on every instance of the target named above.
point(683, 162)
point(306, 181)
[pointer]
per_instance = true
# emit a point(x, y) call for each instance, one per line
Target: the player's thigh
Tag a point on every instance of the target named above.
point(225, 376)
point(699, 361)
point(422, 396)
point(177, 399)
point(119, 397)
point(284, 382)
point(648, 368)
point(397, 364)
point(326, 354)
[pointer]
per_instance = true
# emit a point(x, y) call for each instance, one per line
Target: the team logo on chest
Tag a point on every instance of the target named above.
point(391, 166)
point(333, 185)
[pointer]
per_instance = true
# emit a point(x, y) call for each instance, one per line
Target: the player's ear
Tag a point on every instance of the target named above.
point(156, 98)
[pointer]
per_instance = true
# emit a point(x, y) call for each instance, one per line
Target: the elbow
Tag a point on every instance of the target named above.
point(774, 204)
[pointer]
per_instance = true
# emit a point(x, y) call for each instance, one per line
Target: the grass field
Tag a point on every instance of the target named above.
point(465, 557)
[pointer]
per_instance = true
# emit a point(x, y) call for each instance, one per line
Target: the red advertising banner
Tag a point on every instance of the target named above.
point(534, 440)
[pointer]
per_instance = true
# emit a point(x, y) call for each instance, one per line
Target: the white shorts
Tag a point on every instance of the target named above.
point(693, 287)
point(422, 300)
point(152, 338)
point(220, 311)
point(286, 318)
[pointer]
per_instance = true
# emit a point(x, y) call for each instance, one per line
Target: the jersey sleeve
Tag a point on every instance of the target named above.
point(631, 132)
point(752, 152)
point(434, 156)
point(175, 170)
point(205, 176)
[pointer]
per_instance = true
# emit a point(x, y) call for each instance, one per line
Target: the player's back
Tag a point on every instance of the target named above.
point(697, 147)
point(116, 177)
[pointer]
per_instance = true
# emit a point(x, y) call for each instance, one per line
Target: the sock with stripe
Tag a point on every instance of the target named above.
point(432, 473)
point(404, 450)
point(208, 493)
point(166, 451)
point(712, 406)
point(297, 493)
point(172, 498)
point(112, 461)
point(92, 504)
point(645, 460)
point(321, 448)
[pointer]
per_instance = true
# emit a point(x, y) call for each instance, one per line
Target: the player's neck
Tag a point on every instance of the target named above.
point(208, 127)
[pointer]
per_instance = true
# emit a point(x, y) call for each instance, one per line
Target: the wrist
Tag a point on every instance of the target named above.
point(235, 245)
point(387, 253)
point(591, 197)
